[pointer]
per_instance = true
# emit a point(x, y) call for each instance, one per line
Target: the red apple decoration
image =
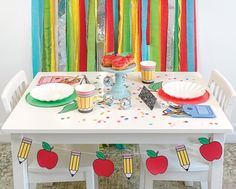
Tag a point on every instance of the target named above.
point(210, 150)
point(46, 158)
point(102, 166)
point(156, 164)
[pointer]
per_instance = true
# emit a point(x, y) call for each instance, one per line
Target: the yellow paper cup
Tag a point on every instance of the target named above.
point(85, 97)
point(148, 71)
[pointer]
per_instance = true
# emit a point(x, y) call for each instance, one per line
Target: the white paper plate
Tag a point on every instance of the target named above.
point(184, 89)
point(52, 91)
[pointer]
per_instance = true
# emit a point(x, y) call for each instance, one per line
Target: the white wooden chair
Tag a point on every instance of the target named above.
point(10, 97)
point(226, 97)
point(198, 171)
point(12, 94)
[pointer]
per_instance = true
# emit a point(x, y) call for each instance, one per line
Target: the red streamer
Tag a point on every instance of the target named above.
point(109, 27)
point(195, 38)
point(183, 40)
point(148, 24)
point(83, 42)
point(164, 31)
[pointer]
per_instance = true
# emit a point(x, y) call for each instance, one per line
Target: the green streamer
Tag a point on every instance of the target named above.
point(69, 36)
point(91, 42)
point(46, 56)
point(176, 38)
point(155, 43)
point(126, 34)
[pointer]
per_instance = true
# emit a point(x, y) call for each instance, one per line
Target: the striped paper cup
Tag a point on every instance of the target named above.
point(148, 71)
point(85, 97)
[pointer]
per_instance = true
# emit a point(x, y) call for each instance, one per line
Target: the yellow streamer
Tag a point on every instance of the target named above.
point(53, 51)
point(179, 23)
point(121, 24)
point(135, 33)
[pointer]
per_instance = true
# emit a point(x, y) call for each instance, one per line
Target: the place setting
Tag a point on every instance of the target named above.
point(77, 96)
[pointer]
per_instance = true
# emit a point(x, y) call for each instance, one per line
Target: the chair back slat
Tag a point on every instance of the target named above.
point(223, 92)
point(13, 91)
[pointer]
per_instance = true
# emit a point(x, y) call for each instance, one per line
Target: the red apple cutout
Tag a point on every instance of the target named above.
point(46, 158)
point(156, 164)
point(102, 166)
point(210, 150)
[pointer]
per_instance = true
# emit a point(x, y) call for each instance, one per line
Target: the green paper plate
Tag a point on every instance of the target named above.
point(43, 104)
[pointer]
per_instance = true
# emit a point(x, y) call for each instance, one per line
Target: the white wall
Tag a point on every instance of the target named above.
point(15, 41)
point(216, 39)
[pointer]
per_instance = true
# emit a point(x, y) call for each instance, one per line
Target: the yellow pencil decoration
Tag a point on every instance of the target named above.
point(128, 165)
point(74, 162)
point(24, 149)
point(183, 157)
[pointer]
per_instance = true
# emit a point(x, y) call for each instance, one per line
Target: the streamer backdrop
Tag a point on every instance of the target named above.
point(140, 27)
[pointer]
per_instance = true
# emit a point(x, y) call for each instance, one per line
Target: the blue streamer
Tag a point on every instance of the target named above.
point(37, 34)
point(144, 27)
point(86, 8)
point(190, 34)
point(116, 19)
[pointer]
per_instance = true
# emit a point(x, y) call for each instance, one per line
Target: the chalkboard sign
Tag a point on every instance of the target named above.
point(148, 98)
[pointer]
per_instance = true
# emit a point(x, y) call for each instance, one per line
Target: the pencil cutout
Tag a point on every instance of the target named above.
point(24, 149)
point(183, 157)
point(74, 162)
point(128, 165)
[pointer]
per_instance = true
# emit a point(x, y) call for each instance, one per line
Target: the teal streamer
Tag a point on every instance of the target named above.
point(86, 9)
point(190, 34)
point(144, 27)
point(37, 34)
point(116, 20)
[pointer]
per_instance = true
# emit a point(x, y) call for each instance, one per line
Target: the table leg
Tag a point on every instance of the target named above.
point(216, 167)
point(20, 171)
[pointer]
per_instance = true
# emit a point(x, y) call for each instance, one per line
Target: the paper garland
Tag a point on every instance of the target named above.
point(183, 157)
point(46, 157)
point(156, 164)
point(24, 149)
point(74, 162)
point(103, 167)
point(210, 151)
point(128, 165)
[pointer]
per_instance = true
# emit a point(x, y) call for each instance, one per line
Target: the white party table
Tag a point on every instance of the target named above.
point(111, 125)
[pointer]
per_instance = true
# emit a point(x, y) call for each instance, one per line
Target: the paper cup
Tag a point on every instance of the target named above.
point(148, 71)
point(85, 97)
